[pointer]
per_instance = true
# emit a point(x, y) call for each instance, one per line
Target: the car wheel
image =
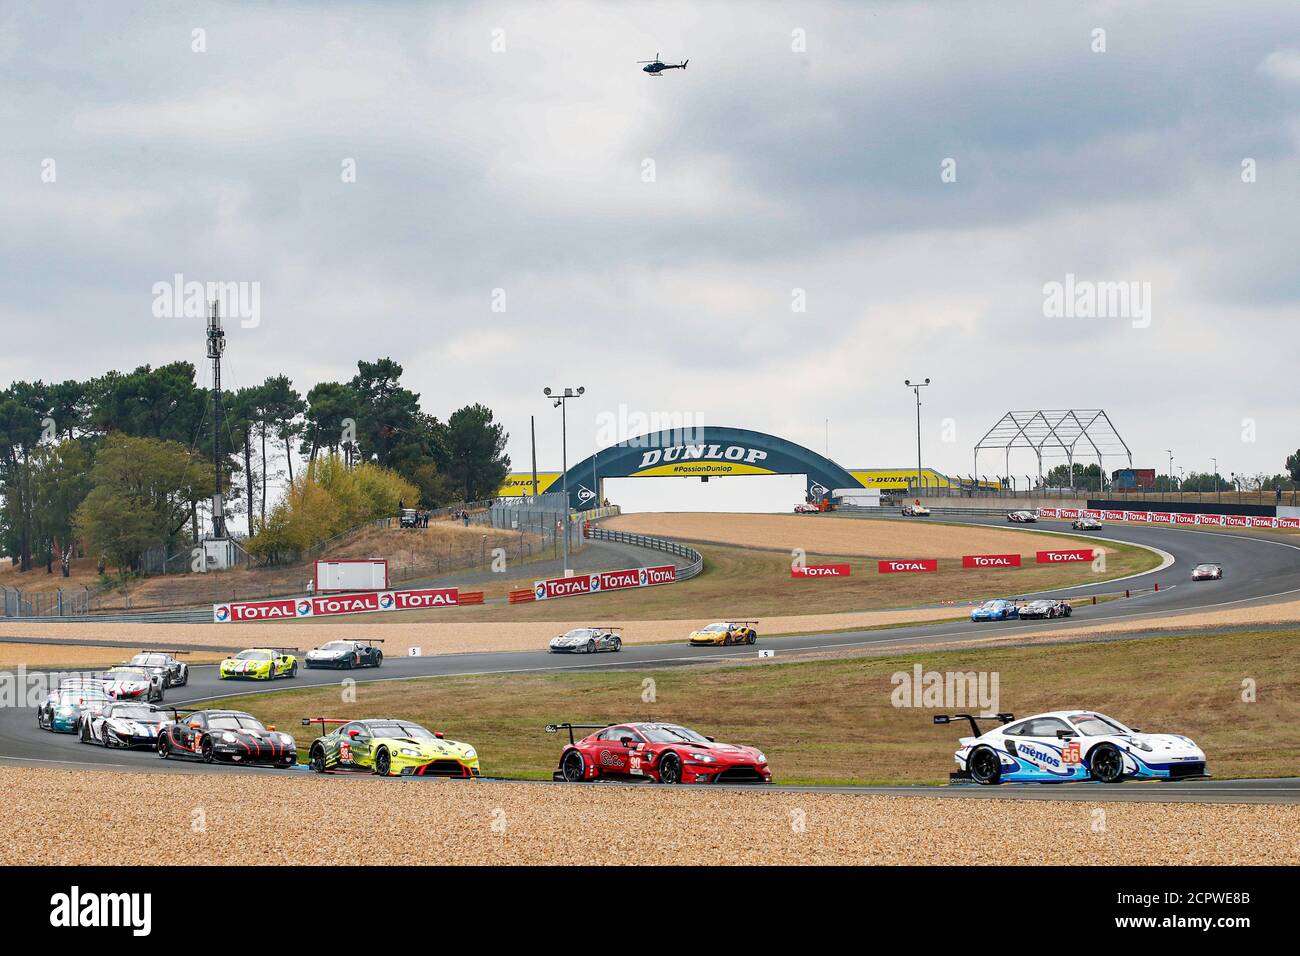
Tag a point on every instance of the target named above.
point(984, 766)
point(753, 637)
point(591, 647)
point(618, 644)
point(670, 768)
point(316, 759)
point(349, 664)
point(379, 658)
point(383, 762)
point(573, 767)
point(1069, 609)
point(1106, 763)
point(293, 669)
point(164, 746)
point(206, 753)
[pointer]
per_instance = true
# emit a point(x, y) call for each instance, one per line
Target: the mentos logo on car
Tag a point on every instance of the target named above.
point(990, 560)
point(1044, 758)
point(913, 564)
point(1064, 557)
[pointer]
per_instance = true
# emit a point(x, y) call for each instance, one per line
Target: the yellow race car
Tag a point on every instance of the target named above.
point(389, 747)
point(724, 632)
point(260, 663)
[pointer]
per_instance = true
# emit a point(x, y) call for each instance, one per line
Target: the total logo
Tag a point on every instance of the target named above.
point(221, 613)
point(594, 585)
point(385, 602)
point(304, 608)
point(641, 577)
point(540, 591)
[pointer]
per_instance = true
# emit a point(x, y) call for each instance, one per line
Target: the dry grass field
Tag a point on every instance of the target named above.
point(834, 720)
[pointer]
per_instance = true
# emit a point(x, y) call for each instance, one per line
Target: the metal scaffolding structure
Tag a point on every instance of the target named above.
point(1056, 434)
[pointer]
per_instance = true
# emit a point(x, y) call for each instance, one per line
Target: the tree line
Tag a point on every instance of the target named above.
point(123, 462)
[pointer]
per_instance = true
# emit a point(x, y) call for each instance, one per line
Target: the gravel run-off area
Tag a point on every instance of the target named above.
point(105, 817)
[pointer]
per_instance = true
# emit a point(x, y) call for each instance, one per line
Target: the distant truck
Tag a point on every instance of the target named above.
point(369, 574)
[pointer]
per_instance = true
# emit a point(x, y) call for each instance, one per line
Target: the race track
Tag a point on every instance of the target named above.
point(1257, 570)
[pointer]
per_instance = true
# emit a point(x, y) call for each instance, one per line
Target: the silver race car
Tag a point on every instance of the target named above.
point(1046, 609)
point(123, 725)
point(346, 654)
point(1207, 572)
point(1022, 517)
point(587, 640)
point(164, 663)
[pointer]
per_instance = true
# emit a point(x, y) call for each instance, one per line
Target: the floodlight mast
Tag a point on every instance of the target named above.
point(216, 345)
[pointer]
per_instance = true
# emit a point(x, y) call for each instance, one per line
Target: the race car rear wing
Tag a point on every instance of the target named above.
point(605, 627)
point(975, 728)
point(308, 721)
point(556, 728)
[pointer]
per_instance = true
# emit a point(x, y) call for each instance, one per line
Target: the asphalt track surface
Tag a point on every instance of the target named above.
point(1257, 570)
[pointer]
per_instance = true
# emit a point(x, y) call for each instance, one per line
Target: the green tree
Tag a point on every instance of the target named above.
point(142, 494)
point(282, 406)
point(22, 408)
point(476, 445)
point(329, 405)
point(1293, 466)
point(61, 481)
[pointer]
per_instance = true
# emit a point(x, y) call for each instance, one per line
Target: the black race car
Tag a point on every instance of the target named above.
point(226, 735)
point(1085, 524)
point(165, 664)
point(346, 654)
point(126, 724)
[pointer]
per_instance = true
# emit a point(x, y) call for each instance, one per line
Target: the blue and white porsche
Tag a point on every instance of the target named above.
point(1070, 745)
point(997, 610)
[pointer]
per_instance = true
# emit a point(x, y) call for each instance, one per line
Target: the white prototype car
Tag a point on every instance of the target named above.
point(1070, 745)
point(1022, 517)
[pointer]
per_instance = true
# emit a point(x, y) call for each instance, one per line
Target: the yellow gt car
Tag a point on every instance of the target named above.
point(389, 747)
point(260, 663)
point(724, 632)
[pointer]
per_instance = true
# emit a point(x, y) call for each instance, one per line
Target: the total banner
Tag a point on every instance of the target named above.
point(819, 571)
point(990, 561)
point(329, 605)
point(1173, 517)
point(907, 565)
point(604, 581)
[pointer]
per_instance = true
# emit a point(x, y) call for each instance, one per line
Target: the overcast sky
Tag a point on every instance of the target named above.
point(775, 169)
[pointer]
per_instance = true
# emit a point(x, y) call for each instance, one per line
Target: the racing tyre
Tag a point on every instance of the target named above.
point(573, 768)
point(753, 637)
point(379, 659)
point(316, 760)
point(984, 766)
point(206, 753)
point(383, 762)
point(618, 645)
point(164, 747)
point(591, 647)
point(1106, 763)
point(293, 669)
point(1069, 609)
point(670, 769)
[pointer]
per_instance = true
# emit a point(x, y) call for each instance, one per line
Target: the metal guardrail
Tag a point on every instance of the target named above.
point(666, 545)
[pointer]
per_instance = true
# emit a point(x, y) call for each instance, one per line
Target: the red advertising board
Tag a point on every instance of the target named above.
point(1261, 522)
point(1288, 522)
point(417, 598)
point(1065, 512)
point(1064, 556)
point(1137, 516)
point(1210, 519)
point(1049, 512)
point(1184, 518)
point(820, 571)
point(562, 587)
point(255, 610)
point(330, 604)
point(908, 564)
point(990, 561)
point(1112, 515)
point(604, 581)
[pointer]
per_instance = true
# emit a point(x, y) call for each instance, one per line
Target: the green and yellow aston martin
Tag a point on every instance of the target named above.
point(260, 663)
point(389, 747)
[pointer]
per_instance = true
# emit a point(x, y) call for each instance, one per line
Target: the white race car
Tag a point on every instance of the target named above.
point(123, 725)
point(1207, 572)
point(1070, 745)
point(587, 640)
point(126, 682)
point(1022, 517)
point(917, 510)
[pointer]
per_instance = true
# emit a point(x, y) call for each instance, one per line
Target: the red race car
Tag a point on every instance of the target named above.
point(664, 753)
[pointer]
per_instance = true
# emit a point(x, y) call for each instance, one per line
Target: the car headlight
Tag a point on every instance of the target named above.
point(65, 711)
point(762, 757)
point(470, 753)
point(286, 739)
point(409, 752)
point(228, 737)
point(1142, 745)
point(702, 758)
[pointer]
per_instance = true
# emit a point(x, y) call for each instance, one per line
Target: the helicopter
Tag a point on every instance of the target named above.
point(657, 65)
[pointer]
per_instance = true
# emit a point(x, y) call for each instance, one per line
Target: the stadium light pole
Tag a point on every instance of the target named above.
point(560, 401)
point(916, 388)
point(1170, 451)
point(1215, 463)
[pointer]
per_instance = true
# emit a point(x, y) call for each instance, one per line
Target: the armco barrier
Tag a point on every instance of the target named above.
point(657, 544)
